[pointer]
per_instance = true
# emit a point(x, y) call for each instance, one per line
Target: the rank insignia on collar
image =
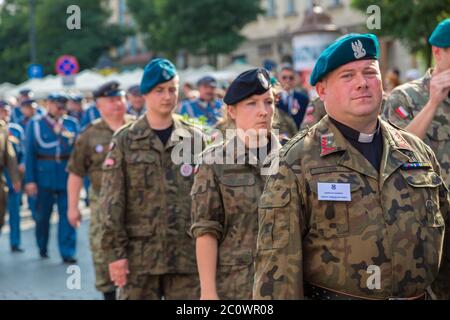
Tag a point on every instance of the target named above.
point(415, 165)
point(326, 142)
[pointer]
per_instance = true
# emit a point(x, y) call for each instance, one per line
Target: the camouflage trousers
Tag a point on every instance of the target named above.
point(103, 282)
point(157, 287)
point(235, 282)
point(3, 199)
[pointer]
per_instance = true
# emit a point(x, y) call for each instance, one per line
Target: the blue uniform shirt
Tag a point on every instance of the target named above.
point(196, 108)
point(48, 146)
point(89, 115)
point(18, 117)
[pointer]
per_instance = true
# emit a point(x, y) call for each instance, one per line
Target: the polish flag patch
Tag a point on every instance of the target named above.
point(109, 162)
point(401, 112)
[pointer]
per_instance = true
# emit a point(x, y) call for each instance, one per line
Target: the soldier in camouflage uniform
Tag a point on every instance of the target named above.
point(86, 159)
point(357, 210)
point(422, 106)
point(145, 197)
point(7, 160)
point(225, 194)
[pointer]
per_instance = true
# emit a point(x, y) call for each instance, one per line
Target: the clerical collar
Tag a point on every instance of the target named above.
point(355, 135)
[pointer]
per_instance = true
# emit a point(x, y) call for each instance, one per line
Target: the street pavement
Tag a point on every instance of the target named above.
point(25, 276)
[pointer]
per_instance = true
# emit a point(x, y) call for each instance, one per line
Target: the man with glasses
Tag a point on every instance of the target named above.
point(292, 102)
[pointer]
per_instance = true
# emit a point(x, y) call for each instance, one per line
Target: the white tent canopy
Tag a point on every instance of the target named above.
point(88, 80)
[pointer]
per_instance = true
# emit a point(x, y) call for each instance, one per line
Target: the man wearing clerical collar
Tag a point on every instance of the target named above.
point(358, 208)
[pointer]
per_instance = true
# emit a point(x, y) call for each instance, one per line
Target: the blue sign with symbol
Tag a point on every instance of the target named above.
point(35, 71)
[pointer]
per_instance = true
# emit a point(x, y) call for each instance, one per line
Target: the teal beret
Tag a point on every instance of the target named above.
point(441, 35)
point(351, 47)
point(156, 72)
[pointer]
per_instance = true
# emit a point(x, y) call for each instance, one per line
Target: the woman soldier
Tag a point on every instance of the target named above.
point(226, 191)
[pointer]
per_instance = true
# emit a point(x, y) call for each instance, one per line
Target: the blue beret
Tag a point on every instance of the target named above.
point(441, 35)
point(109, 89)
point(248, 83)
point(351, 47)
point(156, 72)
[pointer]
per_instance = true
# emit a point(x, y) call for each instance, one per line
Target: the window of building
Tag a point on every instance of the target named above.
point(271, 8)
point(335, 3)
point(290, 8)
point(242, 58)
point(265, 49)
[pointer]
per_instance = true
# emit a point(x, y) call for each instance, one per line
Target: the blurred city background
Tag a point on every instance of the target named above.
point(116, 38)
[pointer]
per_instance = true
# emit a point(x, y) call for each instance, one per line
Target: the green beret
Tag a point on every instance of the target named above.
point(349, 48)
point(156, 72)
point(441, 35)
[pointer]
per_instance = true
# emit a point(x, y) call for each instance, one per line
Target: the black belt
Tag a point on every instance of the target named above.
point(54, 158)
point(314, 292)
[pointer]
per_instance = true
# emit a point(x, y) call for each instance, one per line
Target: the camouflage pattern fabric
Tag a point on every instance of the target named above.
point(225, 204)
point(397, 220)
point(406, 101)
point(8, 161)
point(145, 197)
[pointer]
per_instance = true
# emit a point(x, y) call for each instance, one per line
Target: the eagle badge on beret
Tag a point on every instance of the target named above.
point(263, 80)
point(358, 49)
point(165, 75)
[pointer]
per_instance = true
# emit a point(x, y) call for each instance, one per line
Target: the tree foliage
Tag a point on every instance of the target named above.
point(411, 21)
point(200, 27)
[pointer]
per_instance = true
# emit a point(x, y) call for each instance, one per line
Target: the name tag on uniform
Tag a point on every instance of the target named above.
point(334, 191)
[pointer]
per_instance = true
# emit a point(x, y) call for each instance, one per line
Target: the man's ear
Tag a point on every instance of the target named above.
point(232, 112)
point(321, 89)
point(436, 52)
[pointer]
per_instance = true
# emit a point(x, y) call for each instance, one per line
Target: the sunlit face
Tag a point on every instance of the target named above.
point(287, 79)
point(4, 114)
point(74, 106)
point(442, 57)
point(28, 111)
point(136, 101)
point(56, 109)
point(163, 98)
point(255, 112)
point(111, 106)
point(207, 93)
point(353, 92)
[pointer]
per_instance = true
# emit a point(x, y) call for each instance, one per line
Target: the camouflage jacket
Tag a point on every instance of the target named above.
point(225, 204)
point(406, 101)
point(145, 198)
point(7, 160)
point(90, 151)
point(395, 220)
